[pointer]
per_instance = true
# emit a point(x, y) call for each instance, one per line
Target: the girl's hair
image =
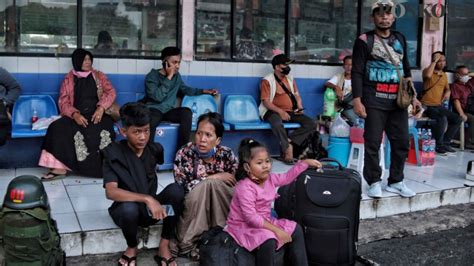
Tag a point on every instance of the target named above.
point(245, 155)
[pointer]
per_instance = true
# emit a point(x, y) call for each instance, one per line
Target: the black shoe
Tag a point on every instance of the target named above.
point(440, 150)
point(449, 149)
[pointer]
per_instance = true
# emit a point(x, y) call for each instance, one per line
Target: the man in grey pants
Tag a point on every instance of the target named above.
point(9, 92)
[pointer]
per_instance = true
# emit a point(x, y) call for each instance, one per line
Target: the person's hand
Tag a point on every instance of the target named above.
point(211, 92)
point(283, 236)
point(339, 93)
point(359, 108)
point(97, 116)
point(313, 163)
point(436, 58)
point(170, 70)
point(157, 211)
point(284, 115)
point(416, 104)
point(463, 117)
point(80, 119)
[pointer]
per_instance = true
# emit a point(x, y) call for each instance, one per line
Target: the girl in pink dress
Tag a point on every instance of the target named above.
point(250, 222)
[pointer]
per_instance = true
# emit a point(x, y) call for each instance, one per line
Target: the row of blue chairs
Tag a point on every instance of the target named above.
point(240, 112)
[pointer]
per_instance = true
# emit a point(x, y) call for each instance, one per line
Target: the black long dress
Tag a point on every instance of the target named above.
point(75, 146)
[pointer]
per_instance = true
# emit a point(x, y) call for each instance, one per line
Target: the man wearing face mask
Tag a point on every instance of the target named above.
point(463, 99)
point(281, 102)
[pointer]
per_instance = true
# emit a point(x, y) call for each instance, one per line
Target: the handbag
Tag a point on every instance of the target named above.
point(114, 109)
point(406, 91)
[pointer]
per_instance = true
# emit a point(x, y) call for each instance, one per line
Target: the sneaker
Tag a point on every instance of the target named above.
point(441, 151)
point(375, 190)
point(449, 149)
point(400, 189)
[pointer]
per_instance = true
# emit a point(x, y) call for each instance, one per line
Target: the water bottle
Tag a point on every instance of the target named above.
point(432, 152)
point(446, 104)
point(329, 102)
point(429, 135)
point(194, 109)
point(34, 117)
point(419, 133)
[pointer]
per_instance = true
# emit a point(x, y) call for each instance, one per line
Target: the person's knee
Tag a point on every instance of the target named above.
point(186, 114)
point(176, 193)
point(128, 212)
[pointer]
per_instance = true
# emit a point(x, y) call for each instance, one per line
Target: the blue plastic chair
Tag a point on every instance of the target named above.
point(242, 113)
point(23, 109)
point(412, 132)
point(205, 103)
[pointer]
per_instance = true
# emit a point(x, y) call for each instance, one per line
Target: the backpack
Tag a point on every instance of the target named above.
point(30, 237)
point(311, 147)
point(398, 36)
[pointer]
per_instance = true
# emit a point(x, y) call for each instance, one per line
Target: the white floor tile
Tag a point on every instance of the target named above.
point(95, 220)
point(67, 222)
point(85, 190)
point(55, 189)
point(37, 171)
point(90, 203)
point(61, 205)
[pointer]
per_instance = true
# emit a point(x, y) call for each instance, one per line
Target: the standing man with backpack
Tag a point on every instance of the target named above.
point(376, 56)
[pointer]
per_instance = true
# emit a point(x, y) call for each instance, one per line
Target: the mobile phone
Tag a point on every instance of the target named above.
point(164, 64)
point(299, 110)
point(168, 209)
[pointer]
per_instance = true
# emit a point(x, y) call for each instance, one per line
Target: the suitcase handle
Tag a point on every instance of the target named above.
point(329, 163)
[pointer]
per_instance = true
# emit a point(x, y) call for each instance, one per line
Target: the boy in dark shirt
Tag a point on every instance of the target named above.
point(130, 181)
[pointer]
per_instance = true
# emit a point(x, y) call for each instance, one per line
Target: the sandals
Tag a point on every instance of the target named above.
point(50, 176)
point(160, 259)
point(127, 260)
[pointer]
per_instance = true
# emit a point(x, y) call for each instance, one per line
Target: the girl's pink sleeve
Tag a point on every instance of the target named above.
point(66, 97)
point(247, 201)
point(109, 95)
point(288, 177)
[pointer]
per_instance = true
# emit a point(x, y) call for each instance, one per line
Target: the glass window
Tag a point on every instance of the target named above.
point(407, 22)
point(322, 31)
point(129, 27)
point(460, 47)
point(213, 28)
point(38, 26)
point(259, 29)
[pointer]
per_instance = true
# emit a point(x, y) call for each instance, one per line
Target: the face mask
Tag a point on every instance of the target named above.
point(286, 70)
point(464, 79)
point(205, 155)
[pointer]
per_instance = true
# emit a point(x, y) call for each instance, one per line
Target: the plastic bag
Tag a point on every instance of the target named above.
point(339, 128)
point(44, 122)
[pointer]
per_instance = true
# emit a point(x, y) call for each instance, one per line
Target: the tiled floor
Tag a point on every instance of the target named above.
point(79, 203)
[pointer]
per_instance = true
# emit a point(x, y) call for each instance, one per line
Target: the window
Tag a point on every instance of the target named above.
point(107, 27)
point(407, 22)
point(129, 27)
point(460, 47)
point(38, 26)
point(322, 31)
point(213, 29)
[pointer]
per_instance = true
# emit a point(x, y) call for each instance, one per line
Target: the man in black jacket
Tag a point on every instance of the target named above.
point(130, 181)
point(376, 56)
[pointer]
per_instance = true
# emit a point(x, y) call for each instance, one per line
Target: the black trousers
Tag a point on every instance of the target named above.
point(444, 119)
point(395, 125)
point(295, 250)
point(130, 215)
point(4, 123)
point(181, 115)
point(298, 135)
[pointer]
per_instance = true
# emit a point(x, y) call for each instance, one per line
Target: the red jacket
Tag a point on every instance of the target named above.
point(66, 94)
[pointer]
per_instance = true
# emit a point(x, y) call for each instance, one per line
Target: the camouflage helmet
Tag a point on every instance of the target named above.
point(26, 192)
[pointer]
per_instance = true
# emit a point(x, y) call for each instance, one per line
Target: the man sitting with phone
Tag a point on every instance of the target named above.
point(130, 181)
point(281, 102)
point(161, 90)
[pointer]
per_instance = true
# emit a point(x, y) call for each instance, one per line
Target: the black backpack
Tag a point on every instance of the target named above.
point(311, 148)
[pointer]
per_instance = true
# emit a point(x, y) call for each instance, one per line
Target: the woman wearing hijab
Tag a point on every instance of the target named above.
point(74, 141)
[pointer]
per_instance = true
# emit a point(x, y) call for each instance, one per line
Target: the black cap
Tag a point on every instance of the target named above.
point(281, 59)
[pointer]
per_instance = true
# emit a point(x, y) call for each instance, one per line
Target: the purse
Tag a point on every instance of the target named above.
point(406, 90)
point(114, 109)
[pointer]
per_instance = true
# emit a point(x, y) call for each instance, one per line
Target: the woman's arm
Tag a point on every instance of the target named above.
point(66, 96)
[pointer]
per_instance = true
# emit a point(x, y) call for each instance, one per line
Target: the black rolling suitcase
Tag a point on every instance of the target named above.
point(325, 202)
